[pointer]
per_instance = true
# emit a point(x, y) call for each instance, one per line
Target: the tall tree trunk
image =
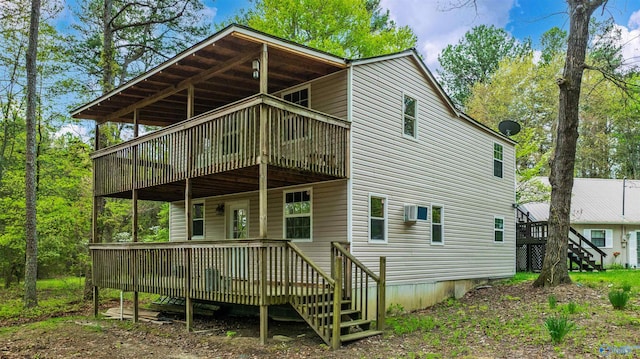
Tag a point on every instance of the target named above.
point(554, 269)
point(107, 50)
point(31, 263)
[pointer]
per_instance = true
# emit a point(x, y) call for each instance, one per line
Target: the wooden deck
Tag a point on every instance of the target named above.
point(223, 147)
point(259, 272)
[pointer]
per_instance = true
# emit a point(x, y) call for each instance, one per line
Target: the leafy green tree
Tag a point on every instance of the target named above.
point(475, 58)
point(349, 28)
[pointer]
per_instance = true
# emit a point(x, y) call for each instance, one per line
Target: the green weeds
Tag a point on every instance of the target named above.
point(558, 327)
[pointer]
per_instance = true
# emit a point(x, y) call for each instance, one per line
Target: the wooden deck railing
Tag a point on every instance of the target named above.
point(248, 272)
point(357, 281)
point(226, 139)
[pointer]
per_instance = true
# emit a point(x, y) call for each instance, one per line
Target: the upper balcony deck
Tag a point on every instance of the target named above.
point(220, 150)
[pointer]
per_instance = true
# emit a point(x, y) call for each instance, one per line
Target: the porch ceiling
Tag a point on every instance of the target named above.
point(219, 68)
point(237, 181)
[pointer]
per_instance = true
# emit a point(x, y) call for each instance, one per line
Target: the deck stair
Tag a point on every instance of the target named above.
point(336, 307)
point(318, 312)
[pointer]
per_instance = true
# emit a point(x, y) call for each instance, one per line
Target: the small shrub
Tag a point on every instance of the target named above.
point(395, 309)
point(618, 298)
point(626, 287)
point(553, 301)
point(558, 327)
point(231, 333)
point(616, 266)
point(570, 308)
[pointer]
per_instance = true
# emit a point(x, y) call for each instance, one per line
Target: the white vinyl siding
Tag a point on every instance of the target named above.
point(327, 94)
point(450, 163)
point(329, 218)
point(602, 238)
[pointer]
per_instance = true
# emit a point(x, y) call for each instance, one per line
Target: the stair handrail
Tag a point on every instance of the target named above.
point(380, 280)
point(324, 328)
point(590, 244)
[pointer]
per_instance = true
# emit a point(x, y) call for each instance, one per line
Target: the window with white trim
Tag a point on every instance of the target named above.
point(437, 225)
point(409, 118)
point(297, 215)
point(197, 221)
point(602, 238)
point(377, 218)
point(299, 96)
point(498, 229)
point(497, 160)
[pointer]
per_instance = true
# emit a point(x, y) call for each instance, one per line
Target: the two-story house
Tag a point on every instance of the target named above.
point(295, 176)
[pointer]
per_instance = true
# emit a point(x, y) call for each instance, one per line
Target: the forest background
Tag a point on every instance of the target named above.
point(488, 73)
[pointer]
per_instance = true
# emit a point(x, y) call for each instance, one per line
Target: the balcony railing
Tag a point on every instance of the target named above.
point(223, 140)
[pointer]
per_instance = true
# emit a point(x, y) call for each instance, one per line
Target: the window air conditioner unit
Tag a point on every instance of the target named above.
point(410, 213)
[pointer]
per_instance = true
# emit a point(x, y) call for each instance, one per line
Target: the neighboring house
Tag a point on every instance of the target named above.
point(605, 211)
point(271, 140)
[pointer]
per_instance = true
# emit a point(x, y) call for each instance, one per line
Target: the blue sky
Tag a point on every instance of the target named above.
point(436, 26)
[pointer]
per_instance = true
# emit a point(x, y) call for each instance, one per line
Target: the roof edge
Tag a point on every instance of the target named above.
point(211, 40)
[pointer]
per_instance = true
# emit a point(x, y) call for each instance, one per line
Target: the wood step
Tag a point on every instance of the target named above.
point(342, 312)
point(359, 335)
point(352, 323)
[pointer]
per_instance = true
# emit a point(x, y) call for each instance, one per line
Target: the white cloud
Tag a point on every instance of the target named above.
point(634, 20)
point(630, 41)
point(79, 129)
point(437, 25)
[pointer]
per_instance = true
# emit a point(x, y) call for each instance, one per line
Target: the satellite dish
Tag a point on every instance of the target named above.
point(509, 128)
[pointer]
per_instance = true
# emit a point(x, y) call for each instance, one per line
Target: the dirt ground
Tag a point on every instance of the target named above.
point(80, 336)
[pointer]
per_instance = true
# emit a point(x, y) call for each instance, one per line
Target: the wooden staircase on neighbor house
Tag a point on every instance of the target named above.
point(531, 239)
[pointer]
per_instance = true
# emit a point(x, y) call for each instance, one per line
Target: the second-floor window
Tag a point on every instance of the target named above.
point(299, 96)
point(497, 160)
point(409, 120)
point(296, 127)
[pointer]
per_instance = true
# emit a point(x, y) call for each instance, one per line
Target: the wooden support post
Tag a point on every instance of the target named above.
point(191, 101)
point(187, 291)
point(337, 303)
point(264, 145)
point(382, 292)
point(94, 224)
point(264, 304)
point(187, 259)
point(134, 212)
point(187, 209)
point(96, 301)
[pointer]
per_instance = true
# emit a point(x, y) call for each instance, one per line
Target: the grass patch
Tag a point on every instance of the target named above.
point(410, 323)
point(558, 328)
point(618, 298)
point(553, 301)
